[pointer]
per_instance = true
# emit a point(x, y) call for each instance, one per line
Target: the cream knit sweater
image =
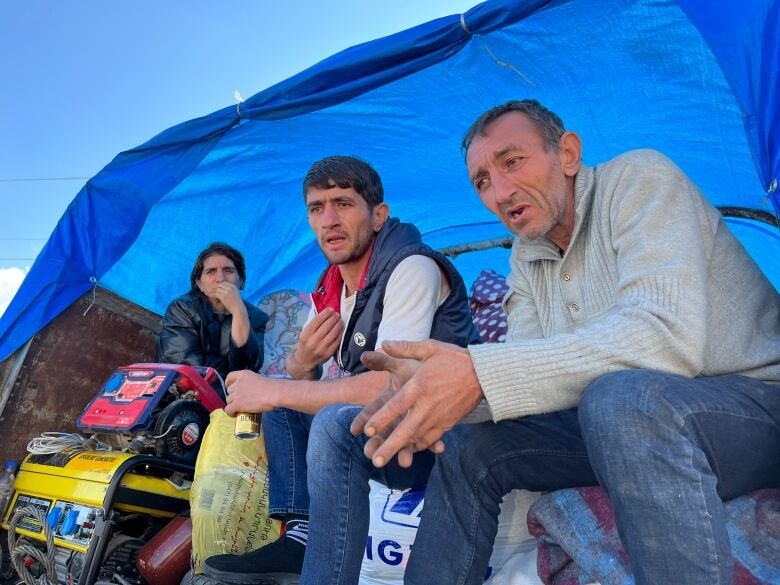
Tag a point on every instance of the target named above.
point(652, 279)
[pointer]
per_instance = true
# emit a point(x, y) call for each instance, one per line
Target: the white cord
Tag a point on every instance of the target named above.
point(222, 383)
point(165, 433)
point(239, 101)
point(54, 442)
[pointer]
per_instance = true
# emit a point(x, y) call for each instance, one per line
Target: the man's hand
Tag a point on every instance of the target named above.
point(230, 297)
point(400, 371)
point(442, 390)
point(251, 392)
point(318, 341)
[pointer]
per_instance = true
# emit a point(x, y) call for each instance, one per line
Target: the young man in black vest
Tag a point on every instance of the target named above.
point(382, 282)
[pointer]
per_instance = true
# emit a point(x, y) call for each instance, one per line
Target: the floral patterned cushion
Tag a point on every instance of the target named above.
point(287, 310)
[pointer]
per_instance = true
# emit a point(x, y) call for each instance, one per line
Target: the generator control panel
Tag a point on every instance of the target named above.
point(72, 524)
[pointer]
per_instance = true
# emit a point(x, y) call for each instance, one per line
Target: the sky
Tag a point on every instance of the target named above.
point(81, 81)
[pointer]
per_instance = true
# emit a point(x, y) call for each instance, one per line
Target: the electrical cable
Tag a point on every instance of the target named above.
point(24, 549)
point(222, 383)
point(54, 442)
point(36, 179)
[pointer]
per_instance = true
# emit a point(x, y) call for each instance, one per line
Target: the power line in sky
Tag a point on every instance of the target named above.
point(27, 180)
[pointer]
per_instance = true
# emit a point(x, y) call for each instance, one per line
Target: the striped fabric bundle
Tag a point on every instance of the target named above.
point(579, 543)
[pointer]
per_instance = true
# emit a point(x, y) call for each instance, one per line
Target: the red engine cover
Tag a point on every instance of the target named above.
point(127, 400)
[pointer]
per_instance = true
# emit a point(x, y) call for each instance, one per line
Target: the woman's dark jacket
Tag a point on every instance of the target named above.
point(193, 334)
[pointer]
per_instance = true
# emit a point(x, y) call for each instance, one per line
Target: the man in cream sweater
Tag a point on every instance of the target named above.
point(643, 354)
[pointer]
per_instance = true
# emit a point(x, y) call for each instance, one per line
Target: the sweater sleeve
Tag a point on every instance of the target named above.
point(656, 223)
point(522, 313)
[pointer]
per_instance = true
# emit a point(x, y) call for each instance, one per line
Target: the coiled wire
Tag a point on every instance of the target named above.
point(54, 442)
point(23, 548)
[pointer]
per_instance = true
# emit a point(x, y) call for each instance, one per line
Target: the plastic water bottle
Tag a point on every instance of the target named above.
point(7, 477)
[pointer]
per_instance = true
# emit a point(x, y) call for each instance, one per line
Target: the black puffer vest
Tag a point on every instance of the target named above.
point(396, 241)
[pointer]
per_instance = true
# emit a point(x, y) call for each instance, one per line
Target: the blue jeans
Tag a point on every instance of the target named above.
point(338, 486)
point(668, 449)
point(286, 435)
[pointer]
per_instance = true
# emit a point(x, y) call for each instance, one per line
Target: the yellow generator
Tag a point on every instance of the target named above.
point(97, 509)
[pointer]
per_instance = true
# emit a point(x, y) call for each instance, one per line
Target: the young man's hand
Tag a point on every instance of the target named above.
point(318, 341)
point(420, 407)
point(251, 392)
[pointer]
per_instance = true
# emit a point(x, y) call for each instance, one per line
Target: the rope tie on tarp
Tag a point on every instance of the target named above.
point(93, 280)
point(506, 64)
point(498, 61)
point(463, 24)
point(772, 189)
point(239, 101)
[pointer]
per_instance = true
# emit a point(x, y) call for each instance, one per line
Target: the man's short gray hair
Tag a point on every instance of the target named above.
point(548, 123)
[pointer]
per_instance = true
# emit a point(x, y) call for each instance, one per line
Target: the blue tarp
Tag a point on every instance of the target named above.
point(695, 79)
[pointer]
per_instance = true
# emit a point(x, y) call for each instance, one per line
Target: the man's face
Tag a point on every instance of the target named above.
point(518, 180)
point(217, 269)
point(343, 223)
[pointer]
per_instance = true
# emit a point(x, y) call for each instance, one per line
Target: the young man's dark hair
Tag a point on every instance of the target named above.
point(345, 172)
point(547, 122)
point(218, 249)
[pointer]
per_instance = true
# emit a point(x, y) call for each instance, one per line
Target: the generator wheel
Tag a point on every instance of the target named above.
point(120, 557)
point(179, 430)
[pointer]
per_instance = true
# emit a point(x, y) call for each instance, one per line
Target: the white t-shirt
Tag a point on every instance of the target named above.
point(415, 289)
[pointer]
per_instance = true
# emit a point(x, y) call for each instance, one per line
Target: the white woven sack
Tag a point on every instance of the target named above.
point(395, 516)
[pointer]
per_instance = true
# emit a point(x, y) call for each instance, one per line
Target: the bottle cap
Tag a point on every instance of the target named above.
point(12, 465)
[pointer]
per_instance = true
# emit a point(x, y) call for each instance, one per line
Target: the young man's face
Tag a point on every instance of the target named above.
point(520, 181)
point(343, 223)
point(217, 269)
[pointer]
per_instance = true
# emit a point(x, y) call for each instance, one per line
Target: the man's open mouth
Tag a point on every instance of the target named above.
point(335, 240)
point(516, 213)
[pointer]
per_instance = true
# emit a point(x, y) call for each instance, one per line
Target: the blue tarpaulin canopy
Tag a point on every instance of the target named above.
point(695, 79)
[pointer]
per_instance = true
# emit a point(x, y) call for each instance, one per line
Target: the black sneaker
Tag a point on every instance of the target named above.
point(278, 563)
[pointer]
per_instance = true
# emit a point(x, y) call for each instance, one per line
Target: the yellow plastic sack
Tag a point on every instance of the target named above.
point(229, 495)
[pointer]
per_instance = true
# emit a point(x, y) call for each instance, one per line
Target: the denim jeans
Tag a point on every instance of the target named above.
point(338, 485)
point(668, 449)
point(286, 435)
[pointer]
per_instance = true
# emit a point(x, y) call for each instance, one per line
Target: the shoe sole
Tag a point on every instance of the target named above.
point(251, 578)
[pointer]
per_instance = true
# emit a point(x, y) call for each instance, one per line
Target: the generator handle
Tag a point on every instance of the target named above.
point(97, 547)
point(205, 393)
